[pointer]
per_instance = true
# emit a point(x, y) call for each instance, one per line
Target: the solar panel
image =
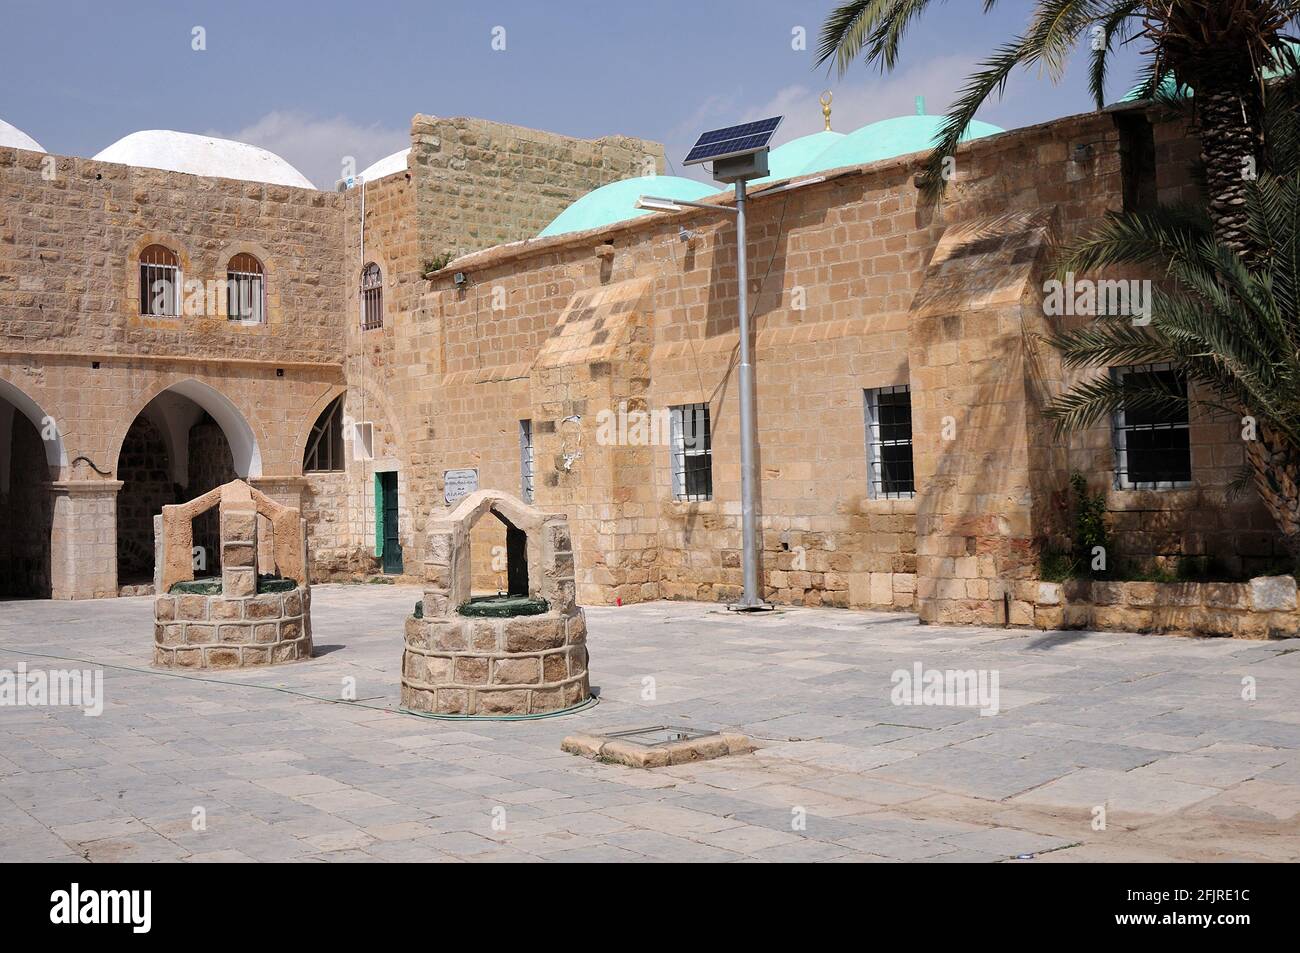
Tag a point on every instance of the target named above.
point(733, 141)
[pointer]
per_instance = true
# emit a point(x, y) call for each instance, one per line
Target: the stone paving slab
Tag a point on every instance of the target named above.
point(284, 764)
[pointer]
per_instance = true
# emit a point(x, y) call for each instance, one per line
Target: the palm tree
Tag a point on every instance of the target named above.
point(1230, 324)
point(1219, 49)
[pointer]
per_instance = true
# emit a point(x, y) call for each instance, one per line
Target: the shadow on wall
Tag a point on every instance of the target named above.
point(986, 464)
point(26, 515)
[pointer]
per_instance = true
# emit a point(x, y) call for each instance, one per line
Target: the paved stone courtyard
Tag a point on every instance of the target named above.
point(1155, 728)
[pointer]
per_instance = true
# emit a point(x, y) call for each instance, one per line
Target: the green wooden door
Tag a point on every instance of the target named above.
point(388, 542)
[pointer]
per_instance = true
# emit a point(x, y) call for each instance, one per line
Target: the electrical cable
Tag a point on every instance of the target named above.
point(572, 709)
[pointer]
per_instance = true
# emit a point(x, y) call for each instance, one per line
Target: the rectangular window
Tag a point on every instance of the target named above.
point(889, 443)
point(1153, 448)
point(372, 297)
point(692, 452)
point(526, 460)
point(244, 296)
point(159, 290)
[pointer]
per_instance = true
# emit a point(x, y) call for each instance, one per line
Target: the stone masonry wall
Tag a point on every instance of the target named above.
point(69, 266)
point(482, 183)
point(852, 251)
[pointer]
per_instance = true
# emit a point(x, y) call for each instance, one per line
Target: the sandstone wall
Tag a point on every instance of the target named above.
point(854, 252)
point(68, 259)
point(482, 183)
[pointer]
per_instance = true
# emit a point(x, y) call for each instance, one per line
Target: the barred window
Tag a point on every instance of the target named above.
point(692, 452)
point(1153, 448)
point(325, 445)
point(160, 279)
point(889, 443)
point(245, 289)
point(526, 460)
point(372, 297)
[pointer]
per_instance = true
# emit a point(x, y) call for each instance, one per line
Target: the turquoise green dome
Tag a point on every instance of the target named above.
point(794, 157)
point(891, 137)
point(616, 202)
point(1167, 87)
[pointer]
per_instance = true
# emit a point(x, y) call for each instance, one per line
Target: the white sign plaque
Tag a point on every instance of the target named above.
point(458, 484)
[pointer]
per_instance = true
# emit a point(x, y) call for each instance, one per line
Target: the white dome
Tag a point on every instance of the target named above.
point(13, 138)
point(385, 166)
point(202, 155)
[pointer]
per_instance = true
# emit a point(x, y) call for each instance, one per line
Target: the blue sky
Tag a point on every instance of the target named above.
point(316, 82)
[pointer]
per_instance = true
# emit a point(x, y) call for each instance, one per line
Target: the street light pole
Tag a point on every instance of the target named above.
point(751, 599)
point(738, 153)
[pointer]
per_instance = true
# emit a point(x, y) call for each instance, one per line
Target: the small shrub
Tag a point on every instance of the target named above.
point(432, 265)
point(1056, 566)
point(1089, 523)
point(1087, 531)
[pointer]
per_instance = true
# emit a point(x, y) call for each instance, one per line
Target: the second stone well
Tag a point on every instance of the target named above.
point(524, 652)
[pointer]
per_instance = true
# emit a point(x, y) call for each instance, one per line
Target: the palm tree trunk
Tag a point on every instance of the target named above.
point(1230, 146)
point(1276, 469)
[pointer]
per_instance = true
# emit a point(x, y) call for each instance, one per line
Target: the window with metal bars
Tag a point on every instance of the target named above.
point(889, 443)
point(1153, 449)
point(692, 452)
point(372, 297)
point(160, 279)
point(526, 460)
point(325, 444)
point(245, 289)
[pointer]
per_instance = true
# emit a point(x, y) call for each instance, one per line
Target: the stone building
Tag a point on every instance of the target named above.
point(488, 310)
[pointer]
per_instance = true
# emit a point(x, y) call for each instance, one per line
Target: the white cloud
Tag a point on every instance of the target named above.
point(865, 96)
point(318, 147)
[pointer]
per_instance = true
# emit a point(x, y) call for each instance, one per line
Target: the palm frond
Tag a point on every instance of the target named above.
point(888, 34)
point(1138, 238)
point(1107, 342)
point(1098, 398)
point(1115, 25)
point(992, 78)
point(1055, 28)
point(848, 29)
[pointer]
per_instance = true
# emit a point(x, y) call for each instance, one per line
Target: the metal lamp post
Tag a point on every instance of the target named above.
point(738, 153)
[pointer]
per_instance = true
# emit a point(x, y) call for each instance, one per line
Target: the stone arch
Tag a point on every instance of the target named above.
point(308, 420)
point(244, 446)
point(32, 456)
point(56, 453)
point(541, 538)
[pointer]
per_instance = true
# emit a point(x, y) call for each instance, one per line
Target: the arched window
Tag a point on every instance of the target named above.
point(372, 297)
point(325, 445)
point(245, 289)
point(160, 280)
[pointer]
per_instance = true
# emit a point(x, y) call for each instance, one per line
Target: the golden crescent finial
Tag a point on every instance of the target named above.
point(825, 100)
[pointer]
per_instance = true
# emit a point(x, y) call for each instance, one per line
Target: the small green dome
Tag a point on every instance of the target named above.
point(794, 157)
point(1168, 88)
point(616, 202)
point(891, 137)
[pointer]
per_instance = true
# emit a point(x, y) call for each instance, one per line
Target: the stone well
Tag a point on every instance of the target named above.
point(459, 664)
point(246, 618)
